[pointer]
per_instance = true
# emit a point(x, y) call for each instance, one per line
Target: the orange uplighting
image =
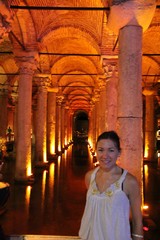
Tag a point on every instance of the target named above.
point(28, 194)
point(59, 147)
point(43, 185)
point(27, 198)
point(29, 169)
point(145, 207)
point(146, 151)
point(44, 155)
point(52, 143)
point(146, 174)
point(52, 148)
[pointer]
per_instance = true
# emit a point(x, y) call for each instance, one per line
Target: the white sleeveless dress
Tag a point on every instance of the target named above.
point(106, 215)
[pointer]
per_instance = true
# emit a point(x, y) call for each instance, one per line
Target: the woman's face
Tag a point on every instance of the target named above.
point(107, 154)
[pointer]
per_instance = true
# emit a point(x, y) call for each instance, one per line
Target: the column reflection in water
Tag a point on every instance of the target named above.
point(43, 188)
point(146, 177)
point(27, 198)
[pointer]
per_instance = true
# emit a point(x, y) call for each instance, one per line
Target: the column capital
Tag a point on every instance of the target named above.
point(129, 12)
point(59, 99)
point(27, 61)
point(110, 68)
point(26, 67)
point(148, 91)
point(42, 82)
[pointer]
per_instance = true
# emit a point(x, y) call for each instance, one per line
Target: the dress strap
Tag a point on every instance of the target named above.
point(93, 174)
point(122, 178)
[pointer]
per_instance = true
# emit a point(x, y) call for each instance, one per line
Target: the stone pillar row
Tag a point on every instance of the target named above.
point(42, 123)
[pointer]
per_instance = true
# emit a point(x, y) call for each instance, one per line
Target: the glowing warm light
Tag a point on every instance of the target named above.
point(44, 154)
point(146, 174)
point(52, 143)
point(146, 151)
point(65, 141)
point(27, 198)
point(59, 163)
point(43, 185)
point(52, 148)
point(28, 194)
point(51, 174)
point(145, 207)
point(59, 148)
point(29, 169)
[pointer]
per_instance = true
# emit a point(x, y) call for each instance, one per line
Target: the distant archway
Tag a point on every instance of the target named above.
point(80, 126)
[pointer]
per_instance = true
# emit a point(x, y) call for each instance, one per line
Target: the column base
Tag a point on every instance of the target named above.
point(52, 157)
point(43, 165)
point(26, 180)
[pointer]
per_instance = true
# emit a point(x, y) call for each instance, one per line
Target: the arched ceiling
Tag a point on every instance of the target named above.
point(71, 38)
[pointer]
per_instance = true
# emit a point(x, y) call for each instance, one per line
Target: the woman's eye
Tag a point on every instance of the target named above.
point(100, 150)
point(111, 150)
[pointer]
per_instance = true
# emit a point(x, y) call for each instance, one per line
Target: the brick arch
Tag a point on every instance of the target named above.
point(74, 34)
point(81, 21)
point(24, 29)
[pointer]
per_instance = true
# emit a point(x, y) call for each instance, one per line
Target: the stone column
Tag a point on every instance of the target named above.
point(66, 126)
point(102, 108)
point(149, 129)
point(112, 97)
point(41, 119)
point(59, 125)
point(63, 126)
point(94, 114)
point(3, 112)
point(23, 169)
point(127, 20)
point(51, 122)
point(130, 98)
point(90, 130)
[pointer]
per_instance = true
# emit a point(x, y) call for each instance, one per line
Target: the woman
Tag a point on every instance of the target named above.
point(112, 192)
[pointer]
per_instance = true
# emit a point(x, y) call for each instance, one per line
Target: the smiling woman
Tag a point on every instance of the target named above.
point(59, 58)
point(110, 196)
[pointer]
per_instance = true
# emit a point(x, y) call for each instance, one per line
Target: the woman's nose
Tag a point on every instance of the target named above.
point(105, 154)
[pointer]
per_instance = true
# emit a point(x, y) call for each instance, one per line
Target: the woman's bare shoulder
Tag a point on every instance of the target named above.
point(88, 177)
point(132, 184)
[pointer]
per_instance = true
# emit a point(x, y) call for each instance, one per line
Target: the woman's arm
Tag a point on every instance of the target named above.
point(134, 195)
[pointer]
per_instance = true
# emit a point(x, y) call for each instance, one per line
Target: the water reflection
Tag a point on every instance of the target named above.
point(54, 204)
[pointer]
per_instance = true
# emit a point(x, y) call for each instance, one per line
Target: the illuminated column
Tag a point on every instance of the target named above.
point(149, 130)
point(23, 142)
point(112, 98)
point(127, 20)
point(90, 115)
point(130, 98)
point(97, 111)
point(51, 122)
point(102, 107)
point(70, 121)
point(94, 114)
point(66, 138)
point(64, 117)
point(41, 118)
point(3, 112)
point(15, 104)
point(59, 124)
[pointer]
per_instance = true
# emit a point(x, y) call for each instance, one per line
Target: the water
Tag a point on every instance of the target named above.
point(54, 204)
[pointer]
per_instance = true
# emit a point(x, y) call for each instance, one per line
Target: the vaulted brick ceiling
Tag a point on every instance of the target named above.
point(71, 37)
